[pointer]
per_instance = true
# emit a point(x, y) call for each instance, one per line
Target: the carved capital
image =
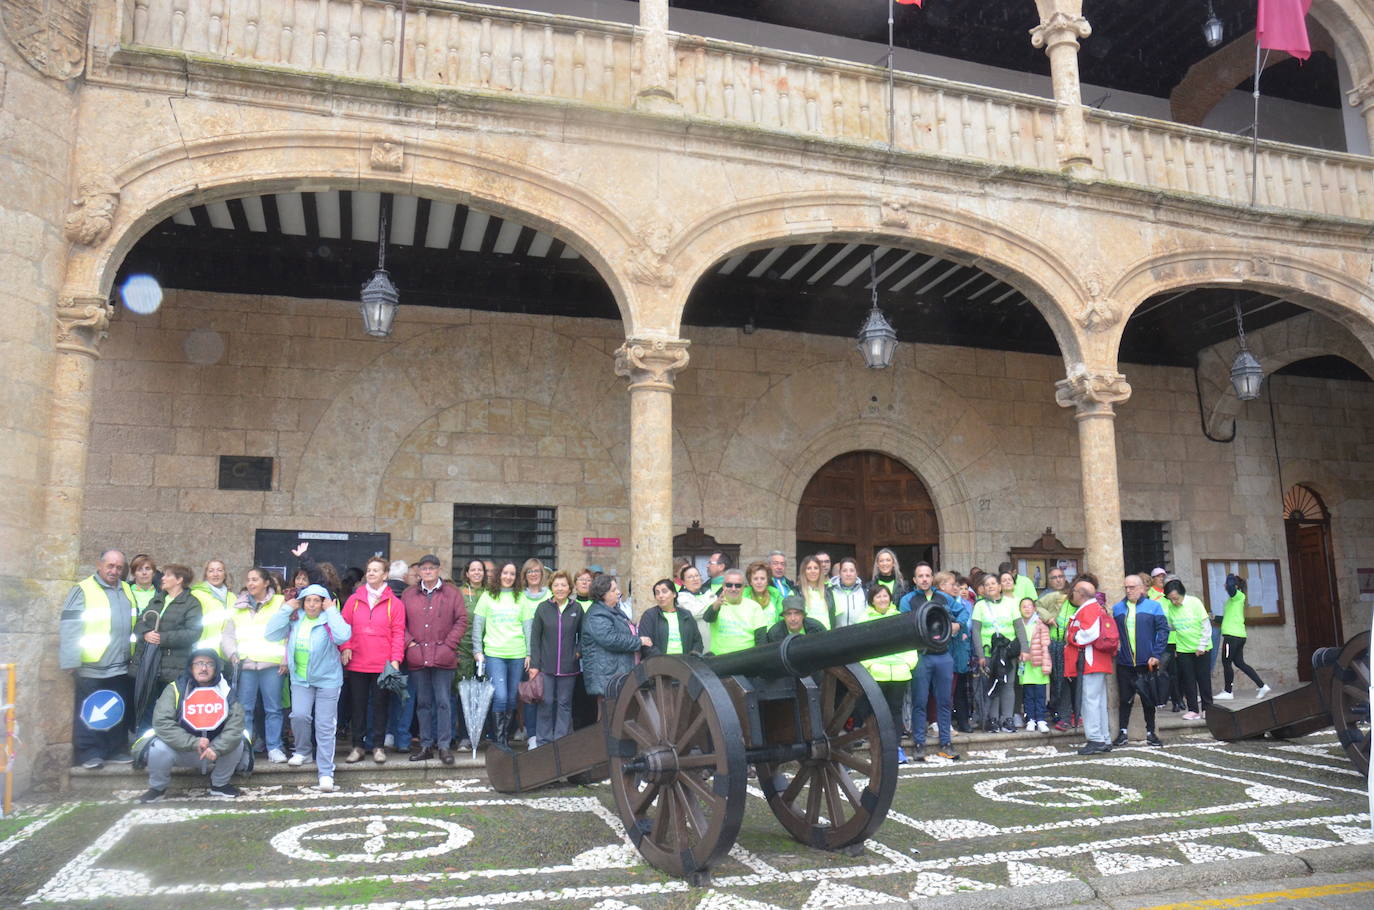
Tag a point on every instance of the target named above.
point(388, 154)
point(1093, 394)
point(82, 324)
point(1060, 28)
point(93, 211)
point(648, 262)
point(651, 363)
point(1362, 95)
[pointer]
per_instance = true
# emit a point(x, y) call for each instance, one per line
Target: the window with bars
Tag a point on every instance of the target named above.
point(504, 533)
point(1145, 545)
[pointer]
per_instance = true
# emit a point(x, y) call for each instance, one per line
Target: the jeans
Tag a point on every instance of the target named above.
point(555, 712)
point(934, 670)
point(402, 714)
point(324, 702)
point(1232, 659)
point(1126, 695)
point(505, 673)
point(434, 694)
point(1033, 698)
point(101, 744)
point(267, 683)
point(162, 758)
point(1096, 721)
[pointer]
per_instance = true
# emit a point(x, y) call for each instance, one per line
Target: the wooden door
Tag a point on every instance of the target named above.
point(859, 503)
point(1316, 606)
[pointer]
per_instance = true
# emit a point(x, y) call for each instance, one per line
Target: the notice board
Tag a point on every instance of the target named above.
point(272, 549)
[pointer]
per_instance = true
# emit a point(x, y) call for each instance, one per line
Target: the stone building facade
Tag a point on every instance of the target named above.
point(655, 156)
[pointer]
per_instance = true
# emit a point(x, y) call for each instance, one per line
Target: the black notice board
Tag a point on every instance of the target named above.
point(272, 549)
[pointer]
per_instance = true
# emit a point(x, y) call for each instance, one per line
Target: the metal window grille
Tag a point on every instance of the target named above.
point(504, 533)
point(1145, 545)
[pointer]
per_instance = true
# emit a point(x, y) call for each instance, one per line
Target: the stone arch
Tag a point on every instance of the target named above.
point(1276, 346)
point(1042, 274)
point(155, 184)
point(815, 414)
point(369, 422)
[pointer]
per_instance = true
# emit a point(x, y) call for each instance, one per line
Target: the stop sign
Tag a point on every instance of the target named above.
point(204, 709)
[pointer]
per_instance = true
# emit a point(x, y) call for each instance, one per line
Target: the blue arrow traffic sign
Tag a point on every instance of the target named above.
point(102, 709)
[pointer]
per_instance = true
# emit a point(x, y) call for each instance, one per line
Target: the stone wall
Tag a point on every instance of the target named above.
point(36, 135)
point(464, 406)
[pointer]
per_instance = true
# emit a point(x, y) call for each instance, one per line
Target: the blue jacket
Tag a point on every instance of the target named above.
point(324, 670)
point(1151, 632)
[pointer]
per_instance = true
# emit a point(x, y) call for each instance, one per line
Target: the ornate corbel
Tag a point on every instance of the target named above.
point(648, 262)
point(651, 363)
point(1092, 394)
point(897, 213)
point(1060, 28)
point(93, 211)
point(388, 154)
point(1096, 314)
point(82, 324)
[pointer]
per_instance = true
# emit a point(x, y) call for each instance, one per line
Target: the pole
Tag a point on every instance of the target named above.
point(10, 702)
point(891, 84)
point(1254, 130)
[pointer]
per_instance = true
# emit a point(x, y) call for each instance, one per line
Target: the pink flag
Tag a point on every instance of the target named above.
point(1282, 26)
point(910, 2)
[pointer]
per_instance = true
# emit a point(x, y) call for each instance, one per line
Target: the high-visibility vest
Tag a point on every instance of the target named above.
point(214, 613)
point(250, 630)
point(96, 619)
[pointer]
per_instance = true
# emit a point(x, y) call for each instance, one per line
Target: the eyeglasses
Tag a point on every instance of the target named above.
point(203, 664)
point(733, 586)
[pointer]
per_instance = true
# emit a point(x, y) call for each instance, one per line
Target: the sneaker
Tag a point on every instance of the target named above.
point(1092, 748)
point(379, 755)
point(1042, 727)
point(1191, 715)
point(947, 752)
point(917, 754)
point(1061, 725)
point(354, 757)
point(93, 764)
point(326, 785)
point(901, 756)
point(533, 743)
point(1008, 726)
point(153, 795)
point(124, 758)
point(1030, 725)
point(296, 760)
point(228, 791)
point(464, 744)
point(1261, 693)
point(1121, 739)
point(1223, 696)
point(1152, 740)
point(276, 756)
point(389, 742)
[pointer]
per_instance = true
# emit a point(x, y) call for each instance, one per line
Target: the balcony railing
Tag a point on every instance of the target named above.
point(493, 49)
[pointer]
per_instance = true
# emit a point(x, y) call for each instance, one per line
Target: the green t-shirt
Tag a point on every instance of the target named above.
point(504, 635)
point(1024, 588)
point(1031, 674)
point(300, 655)
point(1189, 622)
point(1130, 625)
point(735, 625)
point(143, 598)
point(1233, 616)
point(674, 632)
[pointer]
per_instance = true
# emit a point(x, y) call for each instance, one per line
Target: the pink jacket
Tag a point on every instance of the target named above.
point(379, 632)
point(1040, 644)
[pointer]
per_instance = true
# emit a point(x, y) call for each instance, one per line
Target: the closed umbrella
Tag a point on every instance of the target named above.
point(149, 665)
point(476, 695)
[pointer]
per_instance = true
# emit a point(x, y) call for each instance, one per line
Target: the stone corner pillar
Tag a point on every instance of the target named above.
point(1061, 26)
point(655, 91)
point(82, 323)
point(1362, 97)
point(650, 365)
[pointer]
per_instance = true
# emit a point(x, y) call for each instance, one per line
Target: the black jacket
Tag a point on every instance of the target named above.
point(655, 627)
point(550, 652)
point(810, 626)
point(179, 629)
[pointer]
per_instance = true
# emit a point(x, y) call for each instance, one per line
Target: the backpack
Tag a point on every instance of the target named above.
point(1109, 640)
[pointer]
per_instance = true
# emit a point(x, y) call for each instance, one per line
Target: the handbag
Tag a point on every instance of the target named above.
point(532, 690)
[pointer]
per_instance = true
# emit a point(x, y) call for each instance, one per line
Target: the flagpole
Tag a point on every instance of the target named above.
point(1254, 130)
point(891, 84)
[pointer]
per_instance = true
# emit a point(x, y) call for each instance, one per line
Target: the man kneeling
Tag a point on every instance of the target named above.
point(197, 719)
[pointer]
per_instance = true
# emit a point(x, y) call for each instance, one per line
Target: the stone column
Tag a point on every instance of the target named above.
point(654, 92)
point(1061, 25)
point(1362, 97)
point(1094, 395)
point(650, 365)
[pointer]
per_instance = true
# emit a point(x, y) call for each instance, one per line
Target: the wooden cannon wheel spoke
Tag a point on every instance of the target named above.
point(1350, 700)
point(851, 813)
point(674, 737)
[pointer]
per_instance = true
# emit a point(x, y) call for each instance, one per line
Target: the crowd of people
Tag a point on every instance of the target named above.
point(210, 673)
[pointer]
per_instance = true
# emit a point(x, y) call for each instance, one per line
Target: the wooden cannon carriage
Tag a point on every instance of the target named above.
point(678, 734)
point(1337, 696)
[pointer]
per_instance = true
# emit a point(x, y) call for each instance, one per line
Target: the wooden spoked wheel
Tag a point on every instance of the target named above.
point(677, 765)
point(1350, 700)
point(839, 794)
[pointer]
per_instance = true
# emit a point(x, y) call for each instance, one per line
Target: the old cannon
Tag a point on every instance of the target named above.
point(678, 734)
point(1337, 696)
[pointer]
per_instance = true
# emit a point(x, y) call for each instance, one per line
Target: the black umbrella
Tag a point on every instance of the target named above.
point(394, 681)
point(1153, 686)
point(149, 665)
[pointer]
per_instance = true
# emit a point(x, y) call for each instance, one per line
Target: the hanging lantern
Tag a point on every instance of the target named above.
point(380, 297)
point(1212, 29)
point(877, 341)
point(1246, 373)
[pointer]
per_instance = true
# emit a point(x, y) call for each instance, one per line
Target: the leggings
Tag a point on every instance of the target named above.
point(1232, 659)
point(1194, 680)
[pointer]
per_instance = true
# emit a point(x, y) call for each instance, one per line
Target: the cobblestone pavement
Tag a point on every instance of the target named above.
point(1036, 817)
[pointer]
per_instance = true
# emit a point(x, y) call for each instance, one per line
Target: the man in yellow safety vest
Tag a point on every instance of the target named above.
point(96, 640)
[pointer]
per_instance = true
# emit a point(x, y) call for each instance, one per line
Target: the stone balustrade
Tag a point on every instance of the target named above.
point(492, 49)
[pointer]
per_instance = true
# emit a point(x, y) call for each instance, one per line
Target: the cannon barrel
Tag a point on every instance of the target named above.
point(802, 655)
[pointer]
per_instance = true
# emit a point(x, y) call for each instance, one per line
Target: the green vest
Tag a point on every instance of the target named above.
point(890, 667)
point(95, 619)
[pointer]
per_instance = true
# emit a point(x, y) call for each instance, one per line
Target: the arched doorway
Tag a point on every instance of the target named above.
point(860, 502)
point(1316, 607)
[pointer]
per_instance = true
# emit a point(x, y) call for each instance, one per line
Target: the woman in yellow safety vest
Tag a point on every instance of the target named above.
point(892, 672)
point(216, 601)
point(260, 666)
point(142, 569)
